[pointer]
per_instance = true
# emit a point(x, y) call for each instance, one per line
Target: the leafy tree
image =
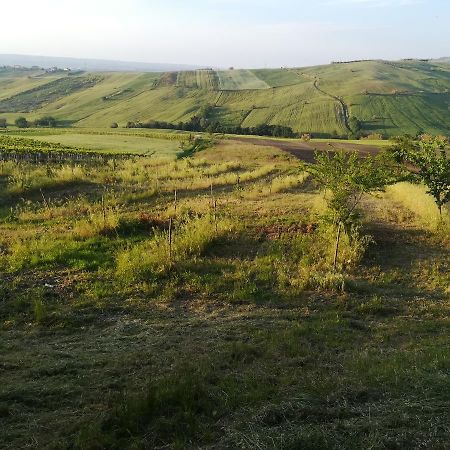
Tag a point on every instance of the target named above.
point(46, 121)
point(21, 122)
point(345, 177)
point(355, 124)
point(427, 160)
point(3, 123)
point(114, 125)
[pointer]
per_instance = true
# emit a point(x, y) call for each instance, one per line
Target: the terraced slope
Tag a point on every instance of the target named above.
point(387, 97)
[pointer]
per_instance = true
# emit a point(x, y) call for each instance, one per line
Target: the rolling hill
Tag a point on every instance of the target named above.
point(390, 98)
point(89, 64)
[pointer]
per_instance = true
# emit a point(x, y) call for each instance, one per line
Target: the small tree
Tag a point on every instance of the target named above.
point(345, 177)
point(21, 122)
point(3, 123)
point(355, 124)
point(428, 161)
point(114, 125)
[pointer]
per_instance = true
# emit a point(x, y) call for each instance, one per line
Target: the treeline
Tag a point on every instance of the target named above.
point(22, 122)
point(200, 125)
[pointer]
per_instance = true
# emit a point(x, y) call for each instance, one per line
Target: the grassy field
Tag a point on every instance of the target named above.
point(390, 98)
point(234, 334)
point(115, 143)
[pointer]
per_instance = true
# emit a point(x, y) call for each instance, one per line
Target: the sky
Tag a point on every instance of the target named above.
point(222, 33)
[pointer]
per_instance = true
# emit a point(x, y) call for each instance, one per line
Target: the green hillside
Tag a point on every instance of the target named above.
point(387, 97)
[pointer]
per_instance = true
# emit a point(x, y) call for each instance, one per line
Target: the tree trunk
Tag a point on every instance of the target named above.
point(336, 249)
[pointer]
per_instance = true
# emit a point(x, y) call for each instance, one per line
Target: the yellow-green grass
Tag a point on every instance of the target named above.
point(13, 84)
point(389, 98)
point(237, 80)
point(415, 198)
point(115, 143)
point(198, 79)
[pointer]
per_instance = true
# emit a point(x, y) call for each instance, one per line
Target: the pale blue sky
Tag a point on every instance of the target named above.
point(220, 33)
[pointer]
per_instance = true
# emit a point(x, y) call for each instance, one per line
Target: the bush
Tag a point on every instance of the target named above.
point(21, 122)
point(114, 125)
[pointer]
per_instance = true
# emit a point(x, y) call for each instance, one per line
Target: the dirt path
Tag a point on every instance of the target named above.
point(305, 150)
point(345, 114)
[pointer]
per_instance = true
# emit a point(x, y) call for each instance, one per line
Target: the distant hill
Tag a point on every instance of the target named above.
point(444, 60)
point(91, 65)
point(387, 97)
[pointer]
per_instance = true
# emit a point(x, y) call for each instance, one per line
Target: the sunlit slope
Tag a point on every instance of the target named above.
point(387, 97)
point(15, 82)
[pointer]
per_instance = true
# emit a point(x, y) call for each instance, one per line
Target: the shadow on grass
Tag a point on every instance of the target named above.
point(394, 264)
point(58, 190)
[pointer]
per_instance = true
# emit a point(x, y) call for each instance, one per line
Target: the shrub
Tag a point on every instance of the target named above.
point(21, 122)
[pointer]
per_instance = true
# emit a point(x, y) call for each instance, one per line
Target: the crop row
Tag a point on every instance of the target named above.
point(19, 149)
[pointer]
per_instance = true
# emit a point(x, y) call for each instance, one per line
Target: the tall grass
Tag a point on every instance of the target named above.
point(151, 259)
point(279, 184)
point(415, 198)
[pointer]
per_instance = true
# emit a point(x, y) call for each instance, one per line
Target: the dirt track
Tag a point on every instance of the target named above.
point(305, 150)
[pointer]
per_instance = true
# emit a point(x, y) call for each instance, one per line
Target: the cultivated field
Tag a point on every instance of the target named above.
point(390, 98)
point(187, 300)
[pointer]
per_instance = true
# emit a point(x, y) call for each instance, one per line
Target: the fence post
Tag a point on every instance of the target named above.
point(45, 200)
point(175, 202)
point(104, 212)
point(170, 241)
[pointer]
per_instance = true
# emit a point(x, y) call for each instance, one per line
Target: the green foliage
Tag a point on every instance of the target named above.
point(46, 121)
point(354, 124)
point(194, 145)
point(21, 122)
point(345, 177)
point(428, 161)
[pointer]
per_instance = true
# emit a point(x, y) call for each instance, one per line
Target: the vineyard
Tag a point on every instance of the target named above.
point(199, 79)
point(23, 149)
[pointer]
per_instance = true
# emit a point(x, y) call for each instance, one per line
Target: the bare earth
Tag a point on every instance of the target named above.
point(305, 150)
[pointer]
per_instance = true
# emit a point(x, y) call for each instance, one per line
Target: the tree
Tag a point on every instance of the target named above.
point(354, 124)
point(427, 160)
point(114, 125)
point(345, 177)
point(21, 122)
point(3, 123)
point(46, 121)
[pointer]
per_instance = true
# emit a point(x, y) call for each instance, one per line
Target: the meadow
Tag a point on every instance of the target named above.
point(161, 302)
